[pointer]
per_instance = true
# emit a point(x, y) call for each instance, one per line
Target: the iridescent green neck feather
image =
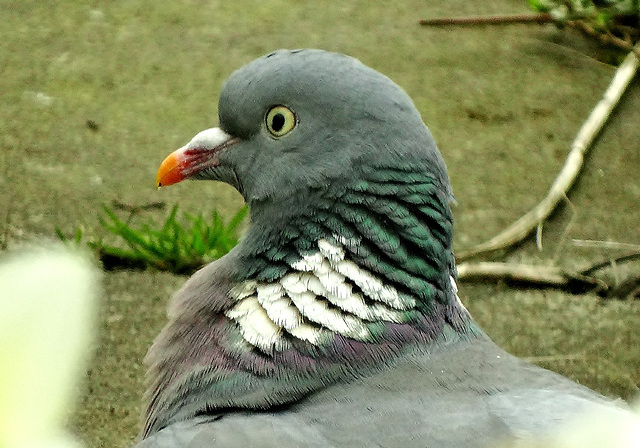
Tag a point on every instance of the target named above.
point(395, 223)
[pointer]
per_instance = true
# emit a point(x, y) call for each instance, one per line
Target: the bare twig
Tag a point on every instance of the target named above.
point(159, 205)
point(554, 276)
point(567, 228)
point(604, 38)
point(539, 236)
point(520, 229)
point(609, 262)
point(135, 209)
point(550, 276)
point(605, 244)
point(542, 275)
point(489, 20)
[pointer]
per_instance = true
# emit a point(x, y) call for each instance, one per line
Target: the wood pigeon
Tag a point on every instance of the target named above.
point(336, 321)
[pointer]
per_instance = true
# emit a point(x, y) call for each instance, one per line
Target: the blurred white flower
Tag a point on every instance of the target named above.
point(47, 311)
point(602, 428)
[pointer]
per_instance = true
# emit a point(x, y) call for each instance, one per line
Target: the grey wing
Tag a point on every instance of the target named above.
point(469, 394)
point(239, 430)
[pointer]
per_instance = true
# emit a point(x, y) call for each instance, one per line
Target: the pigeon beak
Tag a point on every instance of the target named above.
point(200, 153)
point(172, 169)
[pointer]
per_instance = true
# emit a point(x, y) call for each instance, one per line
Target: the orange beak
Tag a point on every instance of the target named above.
point(171, 170)
point(199, 154)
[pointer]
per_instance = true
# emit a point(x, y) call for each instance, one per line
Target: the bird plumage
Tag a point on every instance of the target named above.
point(335, 321)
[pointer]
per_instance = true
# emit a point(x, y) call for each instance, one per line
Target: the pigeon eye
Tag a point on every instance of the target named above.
point(280, 120)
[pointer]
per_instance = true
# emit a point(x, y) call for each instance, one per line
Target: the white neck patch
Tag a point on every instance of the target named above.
point(315, 301)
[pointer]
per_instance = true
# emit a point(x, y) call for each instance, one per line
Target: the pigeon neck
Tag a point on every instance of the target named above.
point(321, 290)
point(353, 259)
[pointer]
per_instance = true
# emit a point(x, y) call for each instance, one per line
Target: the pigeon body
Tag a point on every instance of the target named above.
point(336, 320)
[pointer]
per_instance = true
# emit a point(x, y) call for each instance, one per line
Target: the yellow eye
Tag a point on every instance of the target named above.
point(280, 120)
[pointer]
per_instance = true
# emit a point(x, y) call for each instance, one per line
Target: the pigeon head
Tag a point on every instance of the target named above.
point(293, 121)
point(335, 163)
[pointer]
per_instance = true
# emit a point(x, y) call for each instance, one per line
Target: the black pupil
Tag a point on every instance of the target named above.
point(277, 122)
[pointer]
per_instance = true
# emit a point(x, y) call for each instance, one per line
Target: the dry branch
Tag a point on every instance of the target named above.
point(550, 276)
point(598, 244)
point(520, 229)
point(604, 37)
point(611, 261)
point(579, 281)
point(488, 20)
